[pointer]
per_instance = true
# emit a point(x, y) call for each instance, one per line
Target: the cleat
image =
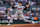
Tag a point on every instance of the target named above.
point(33, 22)
point(0, 24)
point(8, 24)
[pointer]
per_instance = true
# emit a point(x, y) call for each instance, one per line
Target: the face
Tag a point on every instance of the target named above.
point(20, 4)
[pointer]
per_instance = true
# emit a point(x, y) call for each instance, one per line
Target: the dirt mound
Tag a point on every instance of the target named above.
point(23, 25)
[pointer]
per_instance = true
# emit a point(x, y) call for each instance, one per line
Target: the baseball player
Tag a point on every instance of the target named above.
point(19, 13)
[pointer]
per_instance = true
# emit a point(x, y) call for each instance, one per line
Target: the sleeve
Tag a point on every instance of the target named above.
point(15, 6)
point(23, 7)
point(5, 8)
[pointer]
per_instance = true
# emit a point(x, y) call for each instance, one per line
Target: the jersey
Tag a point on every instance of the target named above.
point(19, 8)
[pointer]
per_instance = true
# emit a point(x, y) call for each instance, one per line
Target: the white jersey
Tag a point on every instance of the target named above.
point(19, 8)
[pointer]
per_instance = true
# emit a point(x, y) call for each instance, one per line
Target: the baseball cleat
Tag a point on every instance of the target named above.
point(8, 24)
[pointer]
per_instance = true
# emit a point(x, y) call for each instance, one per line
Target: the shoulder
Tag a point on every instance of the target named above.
point(16, 5)
point(22, 6)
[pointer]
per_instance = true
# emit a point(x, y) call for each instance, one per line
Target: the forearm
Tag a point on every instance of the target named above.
point(28, 5)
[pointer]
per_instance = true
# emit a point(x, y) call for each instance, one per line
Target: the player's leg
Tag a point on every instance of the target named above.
point(22, 16)
point(11, 20)
point(13, 16)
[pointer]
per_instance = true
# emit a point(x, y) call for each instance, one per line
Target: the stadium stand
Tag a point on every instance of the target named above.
point(5, 4)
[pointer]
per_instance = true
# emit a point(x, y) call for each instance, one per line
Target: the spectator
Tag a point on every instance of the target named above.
point(27, 16)
point(31, 14)
point(11, 3)
point(0, 15)
point(32, 18)
point(1, 2)
point(37, 14)
point(36, 18)
point(5, 16)
point(16, 3)
point(32, 3)
point(3, 9)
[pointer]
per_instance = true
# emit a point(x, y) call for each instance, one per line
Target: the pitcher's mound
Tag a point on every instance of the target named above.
point(23, 25)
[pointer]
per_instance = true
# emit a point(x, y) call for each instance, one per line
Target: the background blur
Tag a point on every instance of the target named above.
point(31, 13)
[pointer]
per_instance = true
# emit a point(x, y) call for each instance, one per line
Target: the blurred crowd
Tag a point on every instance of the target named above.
point(7, 9)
